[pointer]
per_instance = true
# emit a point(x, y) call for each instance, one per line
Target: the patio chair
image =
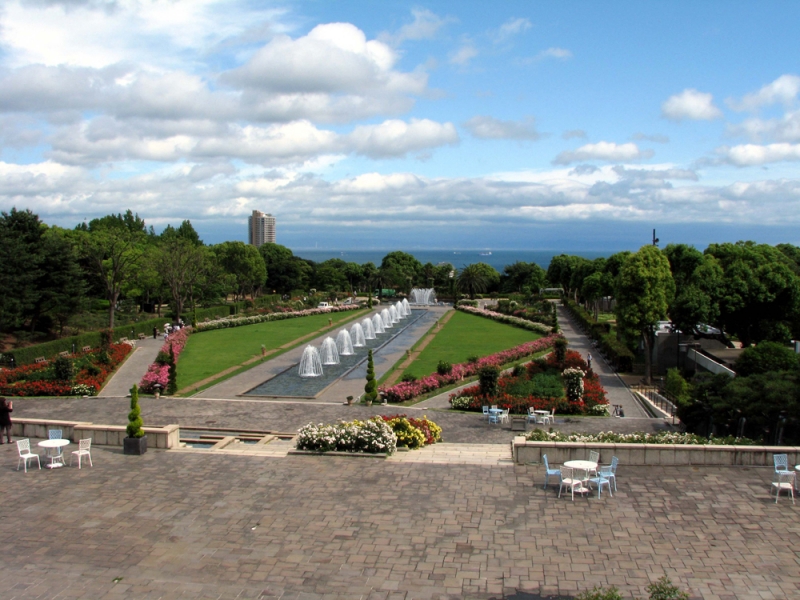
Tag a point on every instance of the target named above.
point(84, 449)
point(781, 462)
point(485, 412)
point(24, 449)
point(785, 482)
point(604, 475)
point(551, 418)
point(594, 456)
point(504, 415)
point(574, 485)
point(494, 417)
point(531, 415)
point(548, 471)
point(613, 471)
point(56, 434)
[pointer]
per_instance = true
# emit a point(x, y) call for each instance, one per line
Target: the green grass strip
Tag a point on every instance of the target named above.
point(466, 335)
point(210, 352)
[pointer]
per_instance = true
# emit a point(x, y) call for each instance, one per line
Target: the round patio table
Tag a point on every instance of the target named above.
point(56, 459)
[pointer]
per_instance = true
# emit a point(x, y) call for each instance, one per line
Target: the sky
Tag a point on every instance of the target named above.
point(395, 125)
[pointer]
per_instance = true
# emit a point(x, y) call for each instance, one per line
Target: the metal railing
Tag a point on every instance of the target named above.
point(659, 398)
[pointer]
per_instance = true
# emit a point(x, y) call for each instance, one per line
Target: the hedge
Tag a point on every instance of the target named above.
point(276, 316)
point(29, 354)
point(507, 319)
point(617, 352)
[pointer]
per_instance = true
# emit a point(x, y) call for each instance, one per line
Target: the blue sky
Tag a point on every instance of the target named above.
point(507, 125)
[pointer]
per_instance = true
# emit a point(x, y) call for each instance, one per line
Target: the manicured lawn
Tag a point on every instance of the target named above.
point(210, 352)
point(466, 335)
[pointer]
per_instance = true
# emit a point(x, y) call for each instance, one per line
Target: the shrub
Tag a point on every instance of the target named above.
point(461, 402)
point(371, 388)
point(63, 369)
point(560, 349)
point(664, 590)
point(407, 435)
point(487, 378)
point(663, 437)
point(764, 358)
point(373, 437)
point(444, 368)
point(598, 593)
point(473, 359)
point(135, 423)
point(408, 377)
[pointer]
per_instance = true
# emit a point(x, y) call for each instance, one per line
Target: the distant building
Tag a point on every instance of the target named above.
point(261, 229)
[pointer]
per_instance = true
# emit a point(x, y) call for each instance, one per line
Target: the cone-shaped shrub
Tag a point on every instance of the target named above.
point(371, 388)
point(135, 423)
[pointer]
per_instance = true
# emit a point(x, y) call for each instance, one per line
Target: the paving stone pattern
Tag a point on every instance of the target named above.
point(191, 525)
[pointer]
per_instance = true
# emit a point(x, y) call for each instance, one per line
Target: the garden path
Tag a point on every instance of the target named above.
point(133, 369)
point(616, 390)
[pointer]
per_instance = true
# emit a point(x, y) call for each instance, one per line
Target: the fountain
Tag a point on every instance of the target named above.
point(423, 296)
point(406, 308)
point(344, 344)
point(328, 352)
point(357, 335)
point(393, 314)
point(401, 312)
point(369, 330)
point(377, 324)
point(386, 318)
point(310, 364)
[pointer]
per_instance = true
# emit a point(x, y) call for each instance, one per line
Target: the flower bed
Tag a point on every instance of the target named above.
point(407, 390)
point(507, 319)
point(91, 371)
point(609, 437)
point(589, 398)
point(158, 372)
point(413, 433)
point(276, 316)
point(372, 437)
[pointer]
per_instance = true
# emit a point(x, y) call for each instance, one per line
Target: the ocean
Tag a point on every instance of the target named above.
point(458, 258)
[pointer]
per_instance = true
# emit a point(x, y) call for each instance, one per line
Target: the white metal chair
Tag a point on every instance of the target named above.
point(594, 456)
point(781, 462)
point(84, 449)
point(574, 485)
point(531, 415)
point(486, 412)
point(551, 418)
point(24, 449)
point(504, 415)
point(604, 475)
point(612, 473)
point(56, 453)
point(548, 471)
point(785, 482)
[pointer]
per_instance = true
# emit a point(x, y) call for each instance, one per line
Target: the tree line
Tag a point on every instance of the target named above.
point(50, 274)
point(748, 290)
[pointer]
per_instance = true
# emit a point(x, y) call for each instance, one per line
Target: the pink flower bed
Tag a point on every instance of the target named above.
point(158, 373)
point(411, 389)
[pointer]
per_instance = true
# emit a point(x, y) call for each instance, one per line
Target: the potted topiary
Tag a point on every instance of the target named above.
point(136, 442)
point(371, 389)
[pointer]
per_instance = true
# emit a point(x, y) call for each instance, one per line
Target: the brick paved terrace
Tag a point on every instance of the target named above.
point(195, 525)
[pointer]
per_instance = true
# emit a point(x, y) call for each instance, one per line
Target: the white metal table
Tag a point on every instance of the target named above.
point(56, 458)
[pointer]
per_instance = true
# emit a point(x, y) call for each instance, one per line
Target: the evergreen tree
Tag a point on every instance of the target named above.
point(135, 423)
point(371, 388)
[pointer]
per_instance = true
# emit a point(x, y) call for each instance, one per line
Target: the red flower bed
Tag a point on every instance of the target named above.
point(36, 380)
point(411, 389)
point(593, 391)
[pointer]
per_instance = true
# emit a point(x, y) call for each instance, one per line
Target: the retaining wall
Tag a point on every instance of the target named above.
point(102, 435)
point(525, 452)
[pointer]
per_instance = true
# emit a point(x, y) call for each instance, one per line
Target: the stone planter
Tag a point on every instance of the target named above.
point(134, 446)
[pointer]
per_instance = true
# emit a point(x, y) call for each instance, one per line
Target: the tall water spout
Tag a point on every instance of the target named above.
point(369, 329)
point(423, 296)
point(357, 335)
point(344, 345)
point(377, 324)
point(328, 352)
point(310, 364)
point(386, 318)
point(393, 314)
point(401, 312)
point(406, 307)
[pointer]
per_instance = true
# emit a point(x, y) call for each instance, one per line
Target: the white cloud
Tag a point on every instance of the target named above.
point(606, 151)
point(785, 129)
point(398, 138)
point(748, 155)
point(690, 104)
point(425, 26)
point(783, 90)
point(559, 53)
point(463, 55)
point(486, 127)
point(512, 27)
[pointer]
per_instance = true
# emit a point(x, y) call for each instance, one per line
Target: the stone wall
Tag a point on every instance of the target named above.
point(102, 435)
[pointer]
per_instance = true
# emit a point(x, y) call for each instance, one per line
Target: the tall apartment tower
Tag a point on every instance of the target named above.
point(261, 228)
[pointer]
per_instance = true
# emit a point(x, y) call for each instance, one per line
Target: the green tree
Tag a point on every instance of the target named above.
point(765, 357)
point(371, 388)
point(135, 422)
point(20, 266)
point(759, 292)
point(476, 279)
point(330, 275)
point(400, 270)
point(593, 289)
point(644, 291)
point(245, 266)
point(113, 247)
point(181, 263)
point(520, 275)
